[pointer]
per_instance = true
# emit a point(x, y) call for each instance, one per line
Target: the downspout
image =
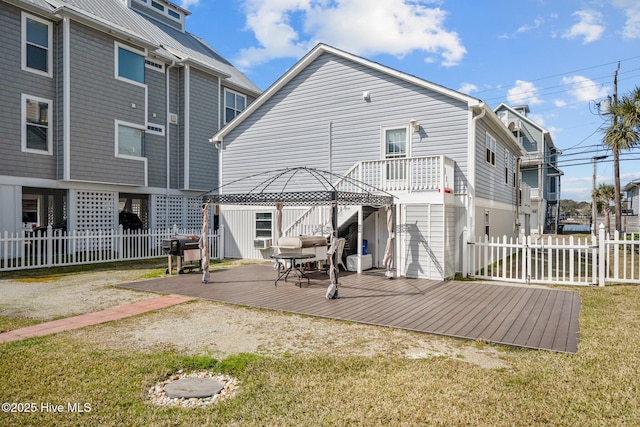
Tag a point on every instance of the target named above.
point(187, 119)
point(167, 137)
point(66, 95)
point(471, 189)
point(518, 194)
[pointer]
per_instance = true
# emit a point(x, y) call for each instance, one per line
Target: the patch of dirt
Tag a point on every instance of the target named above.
point(220, 330)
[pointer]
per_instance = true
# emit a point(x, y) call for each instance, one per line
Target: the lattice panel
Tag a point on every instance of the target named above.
point(96, 210)
point(194, 213)
point(169, 211)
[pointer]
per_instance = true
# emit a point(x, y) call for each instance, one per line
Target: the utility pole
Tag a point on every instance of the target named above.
point(594, 202)
point(616, 155)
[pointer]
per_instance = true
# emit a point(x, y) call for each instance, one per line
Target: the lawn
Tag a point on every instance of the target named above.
point(598, 386)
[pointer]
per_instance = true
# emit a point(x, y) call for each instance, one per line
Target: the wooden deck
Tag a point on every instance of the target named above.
point(520, 316)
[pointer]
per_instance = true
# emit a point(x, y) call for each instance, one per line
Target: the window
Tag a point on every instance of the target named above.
point(395, 147)
point(173, 14)
point(152, 65)
point(129, 140)
point(129, 64)
point(36, 134)
point(507, 161)
point(491, 149)
point(157, 5)
point(36, 45)
point(234, 103)
point(263, 224)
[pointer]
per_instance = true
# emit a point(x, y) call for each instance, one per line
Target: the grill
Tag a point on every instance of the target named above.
point(184, 248)
point(177, 245)
point(316, 245)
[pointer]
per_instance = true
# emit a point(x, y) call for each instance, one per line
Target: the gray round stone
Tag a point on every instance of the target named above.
point(193, 387)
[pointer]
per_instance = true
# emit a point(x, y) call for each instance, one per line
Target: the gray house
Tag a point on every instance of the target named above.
point(631, 213)
point(108, 105)
point(539, 166)
point(447, 159)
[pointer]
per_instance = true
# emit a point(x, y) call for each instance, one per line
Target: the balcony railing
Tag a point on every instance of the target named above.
point(402, 174)
point(413, 174)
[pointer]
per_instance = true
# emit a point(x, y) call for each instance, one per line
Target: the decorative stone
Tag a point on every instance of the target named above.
point(188, 388)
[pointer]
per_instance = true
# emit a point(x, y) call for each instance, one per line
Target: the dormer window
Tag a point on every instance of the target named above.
point(169, 10)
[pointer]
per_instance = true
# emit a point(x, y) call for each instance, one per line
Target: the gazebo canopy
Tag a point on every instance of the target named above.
point(274, 186)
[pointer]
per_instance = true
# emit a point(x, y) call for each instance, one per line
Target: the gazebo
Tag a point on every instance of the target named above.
point(274, 188)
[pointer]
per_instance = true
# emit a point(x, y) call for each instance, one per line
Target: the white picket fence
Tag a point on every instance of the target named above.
point(557, 260)
point(54, 248)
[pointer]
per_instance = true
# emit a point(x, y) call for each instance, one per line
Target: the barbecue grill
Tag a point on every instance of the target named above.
point(184, 248)
point(296, 245)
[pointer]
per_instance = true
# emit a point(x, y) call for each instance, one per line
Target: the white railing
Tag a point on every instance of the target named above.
point(432, 173)
point(54, 248)
point(557, 260)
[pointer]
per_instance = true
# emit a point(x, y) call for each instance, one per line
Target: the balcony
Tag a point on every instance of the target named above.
point(413, 174)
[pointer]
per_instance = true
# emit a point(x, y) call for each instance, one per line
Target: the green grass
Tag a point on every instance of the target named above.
point(598, 386)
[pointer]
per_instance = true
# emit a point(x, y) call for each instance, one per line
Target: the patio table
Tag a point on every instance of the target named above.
point(294, 261)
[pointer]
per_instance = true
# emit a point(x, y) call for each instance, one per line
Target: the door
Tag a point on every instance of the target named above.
point(423, 241)
point(396, 151)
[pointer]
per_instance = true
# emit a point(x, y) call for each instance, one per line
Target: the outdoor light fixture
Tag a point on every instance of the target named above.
point(414, 125)
point(366, 95)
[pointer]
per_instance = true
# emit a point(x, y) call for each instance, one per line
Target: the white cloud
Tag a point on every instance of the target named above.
point(631, 9)
point(289, 28)
point(584, 89)
point(468, 88)
point(560, 103)
point(528, 27)
point(589, 26)
point(186, 4)
point(523, 93)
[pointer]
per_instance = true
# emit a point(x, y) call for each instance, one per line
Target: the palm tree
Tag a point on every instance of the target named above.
point(604, 195)
point(623, 134)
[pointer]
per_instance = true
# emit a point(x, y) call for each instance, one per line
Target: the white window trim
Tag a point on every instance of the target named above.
point(507, 166)
point(157, 129)
point(383, 139)
point(255, 223)
point(23, 121)
point(495, 148)
point(116, 46)
point(224, 103)
point(131, 125)
point(49, 49)
point(157, 66)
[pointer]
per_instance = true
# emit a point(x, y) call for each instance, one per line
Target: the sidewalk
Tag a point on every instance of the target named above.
point(89, 319)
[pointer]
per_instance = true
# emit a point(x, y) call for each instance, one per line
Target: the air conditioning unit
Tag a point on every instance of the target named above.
point(262, 243)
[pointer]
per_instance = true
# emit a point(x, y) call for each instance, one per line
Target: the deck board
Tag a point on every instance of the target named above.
point(531, 317)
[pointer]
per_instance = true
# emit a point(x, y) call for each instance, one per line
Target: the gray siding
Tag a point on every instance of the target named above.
point(99, 98)
point(155, 145)
point(293, 127)
point(203, 155)
point(16, 82)
point(490, 181)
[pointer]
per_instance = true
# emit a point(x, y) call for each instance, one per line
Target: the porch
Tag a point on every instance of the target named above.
point(520, 316)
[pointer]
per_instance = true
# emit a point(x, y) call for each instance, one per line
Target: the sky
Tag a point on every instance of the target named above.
point(558, 57)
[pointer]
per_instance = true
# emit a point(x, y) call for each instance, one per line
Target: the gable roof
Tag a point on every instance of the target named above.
point(322, 48)
point(161, 39)
point(545, 132)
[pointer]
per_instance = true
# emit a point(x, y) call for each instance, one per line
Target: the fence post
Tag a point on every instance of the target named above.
point(120, 242)
point(602, 255)
point(49, 261)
